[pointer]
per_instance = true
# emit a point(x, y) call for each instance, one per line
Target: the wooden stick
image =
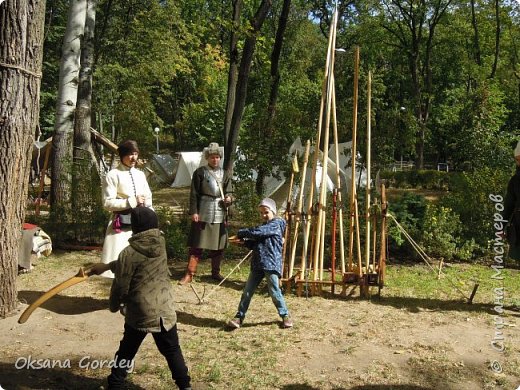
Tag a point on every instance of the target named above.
point(338, 186)
point(320, 237)
point(333, 241)
point(227, 276)
point(310, 219)
point(288, 212)
point(367, 200)
point(81, 276)
point(374, 238)
point(299, 208)
point(358, 239)
point(43, 172)
point(382, 253)
point(353, 160)
point(196, 294)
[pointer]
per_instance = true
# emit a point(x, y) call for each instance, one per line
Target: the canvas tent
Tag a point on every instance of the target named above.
point(186, 165)
point(277, 185)
point(162, 168)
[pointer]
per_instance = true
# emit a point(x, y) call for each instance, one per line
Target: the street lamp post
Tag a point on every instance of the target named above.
point(156, 130)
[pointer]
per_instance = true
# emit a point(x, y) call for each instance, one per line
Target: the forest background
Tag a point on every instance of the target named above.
point(445, 89)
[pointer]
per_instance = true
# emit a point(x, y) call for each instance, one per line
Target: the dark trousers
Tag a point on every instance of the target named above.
point(168, 344)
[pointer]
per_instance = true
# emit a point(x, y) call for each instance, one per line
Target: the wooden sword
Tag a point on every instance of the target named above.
point(81, 276)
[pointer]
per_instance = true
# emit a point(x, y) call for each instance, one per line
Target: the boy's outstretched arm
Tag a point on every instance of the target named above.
point(261, 231)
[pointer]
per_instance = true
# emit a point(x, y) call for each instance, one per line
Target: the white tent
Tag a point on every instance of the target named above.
point(186, 165)
point(188, 162)
point(278, 189)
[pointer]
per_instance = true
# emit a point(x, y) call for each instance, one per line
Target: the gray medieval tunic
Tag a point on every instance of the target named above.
point(207, 187)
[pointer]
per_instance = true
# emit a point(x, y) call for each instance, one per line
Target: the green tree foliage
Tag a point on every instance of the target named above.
point(469, 199)
point(143, 48)
point(157, 64)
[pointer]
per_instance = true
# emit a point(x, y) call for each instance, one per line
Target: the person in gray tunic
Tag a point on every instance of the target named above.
point(208, 209)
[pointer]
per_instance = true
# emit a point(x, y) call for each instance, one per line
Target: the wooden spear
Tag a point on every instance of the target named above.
point(310, 197)
point(320, 236)
point(299, 208)
point(353, 201)
point(367, 202)
point(338, 187)
point(288, 211)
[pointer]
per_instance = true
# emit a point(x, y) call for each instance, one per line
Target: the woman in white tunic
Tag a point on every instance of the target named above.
point(124, 188)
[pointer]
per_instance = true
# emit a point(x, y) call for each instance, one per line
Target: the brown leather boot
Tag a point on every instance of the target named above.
point(215, 268)
point(190, 270)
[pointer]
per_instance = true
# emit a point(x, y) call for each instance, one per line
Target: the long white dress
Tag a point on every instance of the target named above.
point(121, 187)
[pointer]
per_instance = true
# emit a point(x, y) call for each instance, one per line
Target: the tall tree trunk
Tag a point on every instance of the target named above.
point(21, 50)
point(411, 23)
point(476, 40)
point(63, 128)
point(497, 39)
point(85, 181)
point(273, 95)
point(233, 68)
point(241, 88)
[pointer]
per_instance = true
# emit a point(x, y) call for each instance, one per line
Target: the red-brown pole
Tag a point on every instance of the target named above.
point(333, 243)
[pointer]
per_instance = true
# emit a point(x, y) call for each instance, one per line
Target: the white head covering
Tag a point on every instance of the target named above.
point(517, 149)
point(268, 202)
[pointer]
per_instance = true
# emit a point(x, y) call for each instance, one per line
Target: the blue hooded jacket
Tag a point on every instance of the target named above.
point(266, 241)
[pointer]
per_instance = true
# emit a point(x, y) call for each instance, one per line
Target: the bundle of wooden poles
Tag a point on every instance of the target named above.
point(307, 226)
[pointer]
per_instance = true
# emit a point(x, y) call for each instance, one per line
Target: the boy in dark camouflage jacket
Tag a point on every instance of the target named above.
point(142, 291)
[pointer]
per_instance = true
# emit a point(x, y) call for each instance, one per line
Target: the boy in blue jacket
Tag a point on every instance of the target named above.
point(266, 241)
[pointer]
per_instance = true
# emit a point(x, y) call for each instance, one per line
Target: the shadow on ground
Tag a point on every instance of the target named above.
point(415, 305)
point(65, 304)
point(361, 387)
point(14, 378)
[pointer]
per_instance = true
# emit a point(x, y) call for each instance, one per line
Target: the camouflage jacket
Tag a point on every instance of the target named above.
point(142, 283)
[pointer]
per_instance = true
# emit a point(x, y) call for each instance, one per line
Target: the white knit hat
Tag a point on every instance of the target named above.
point(517, 149)
point(268, 202)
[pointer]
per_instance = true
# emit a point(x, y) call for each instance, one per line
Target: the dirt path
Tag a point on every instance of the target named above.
point(337, 343)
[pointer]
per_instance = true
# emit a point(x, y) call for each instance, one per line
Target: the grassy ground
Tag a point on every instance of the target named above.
point(419, 334)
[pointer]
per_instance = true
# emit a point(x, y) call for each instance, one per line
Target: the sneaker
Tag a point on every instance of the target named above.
point(235, 323)
point(287, 322)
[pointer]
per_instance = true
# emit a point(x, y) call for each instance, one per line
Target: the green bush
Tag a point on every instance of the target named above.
point(425, 179)
point(409, 212)
point(441, 234)
point(175, 229)
point(245, 207)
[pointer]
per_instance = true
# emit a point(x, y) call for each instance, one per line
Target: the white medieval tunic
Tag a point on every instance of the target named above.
point(121, 187)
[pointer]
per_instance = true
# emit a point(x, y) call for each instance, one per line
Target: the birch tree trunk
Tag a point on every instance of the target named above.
point(86, 195)
point(66, 105)
point(21, 50)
